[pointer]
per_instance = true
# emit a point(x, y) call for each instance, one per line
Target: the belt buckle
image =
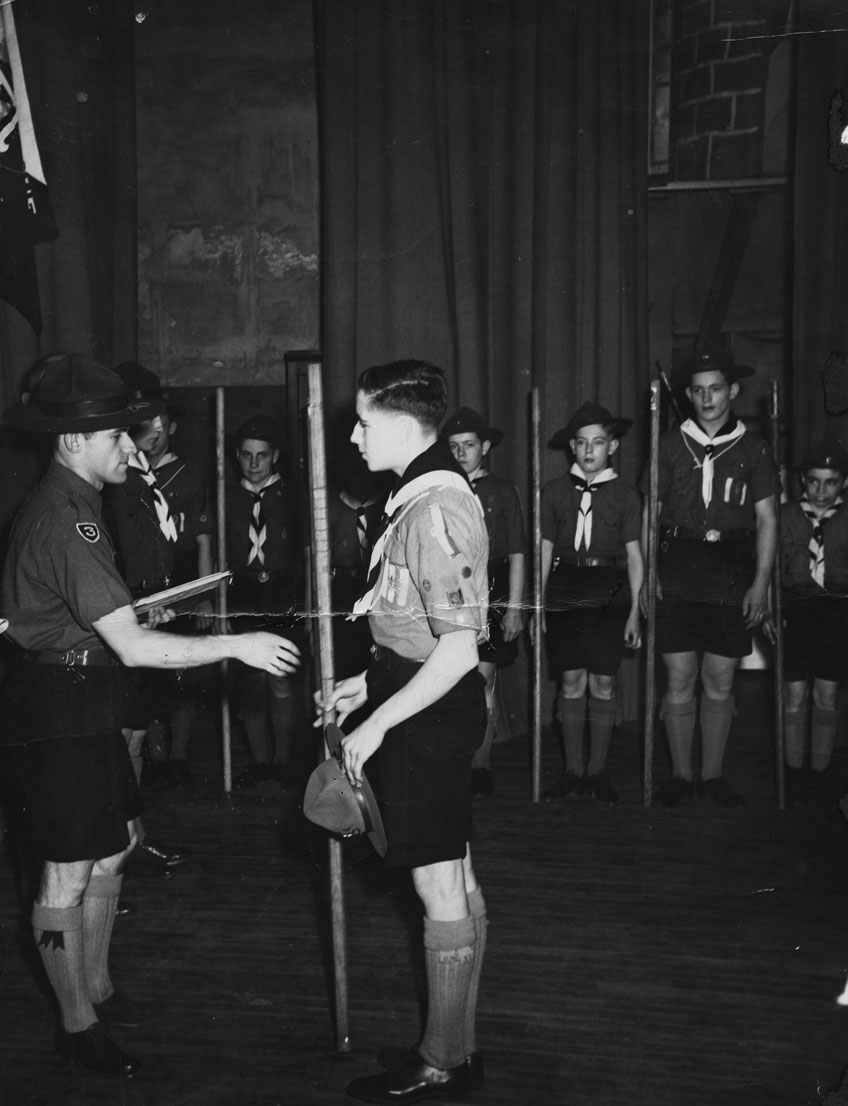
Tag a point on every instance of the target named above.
point(712, 535)
point(263, 577)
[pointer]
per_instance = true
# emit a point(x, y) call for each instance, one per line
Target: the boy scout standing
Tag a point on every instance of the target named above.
point(470, 440)
point(592, 573)
point(71, 617)
point(427, 606)
point(718, 488)
point(814, 578)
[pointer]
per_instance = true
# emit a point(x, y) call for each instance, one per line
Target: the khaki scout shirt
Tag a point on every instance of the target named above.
point(60, 575)
point(433, 577)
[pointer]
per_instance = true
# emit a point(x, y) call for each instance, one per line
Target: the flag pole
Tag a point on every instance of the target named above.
point(326, 672)
point(651, 590)
point(220, 460)
point(537, 597)
point(777, 607)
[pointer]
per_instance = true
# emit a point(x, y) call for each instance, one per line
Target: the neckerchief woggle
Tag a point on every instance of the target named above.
point(583, 529)
point(691, 429)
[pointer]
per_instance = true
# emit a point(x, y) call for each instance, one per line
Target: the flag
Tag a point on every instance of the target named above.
point(25, 214)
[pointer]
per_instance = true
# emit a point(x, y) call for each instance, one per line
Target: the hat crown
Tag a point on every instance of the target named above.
point(261, 428)
point(139, 379)
point(829, 453)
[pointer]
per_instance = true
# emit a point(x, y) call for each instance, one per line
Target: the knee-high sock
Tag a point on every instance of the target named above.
point(795, 736)
point(716, 720)
point(98, 918)
point(449, 962)
point(601, 723)
point(282, 702)
point(181, 718)
point(477, 906)
point(483, 756)
point(572, 717)
point(823, 725)
point(251, 693)
point(59, 938)
point(679, 719)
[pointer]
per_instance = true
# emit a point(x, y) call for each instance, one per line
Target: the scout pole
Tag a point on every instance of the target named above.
point(326, 672)
point(651, 591)
point(777, 609)
point(537, 600)
point(222, 587)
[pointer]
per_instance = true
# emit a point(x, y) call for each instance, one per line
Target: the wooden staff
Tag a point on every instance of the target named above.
point(777, 608)
point(220, 461)
point(538, 611)
point(651, 630)
point(326, 669)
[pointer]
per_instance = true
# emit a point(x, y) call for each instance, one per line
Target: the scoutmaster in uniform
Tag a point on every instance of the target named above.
point(61, 709)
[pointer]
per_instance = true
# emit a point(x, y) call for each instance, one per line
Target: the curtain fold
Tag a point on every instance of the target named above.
point(820, 305)
point(79, 65)
point(484, 203)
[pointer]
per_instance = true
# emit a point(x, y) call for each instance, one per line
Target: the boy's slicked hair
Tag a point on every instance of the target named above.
point(414, 388)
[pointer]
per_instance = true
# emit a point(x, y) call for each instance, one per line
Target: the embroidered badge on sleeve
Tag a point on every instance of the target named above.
point(89, 530)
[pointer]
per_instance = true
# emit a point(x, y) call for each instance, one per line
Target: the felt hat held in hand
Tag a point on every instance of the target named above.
point(332, 802)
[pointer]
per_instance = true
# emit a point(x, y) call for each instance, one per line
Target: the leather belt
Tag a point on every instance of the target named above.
point(342, 572)
point(382, 653)
point(686, 533)
point(73, 658)
point(585, 560)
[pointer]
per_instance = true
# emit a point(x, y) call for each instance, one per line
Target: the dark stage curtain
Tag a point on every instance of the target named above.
point(820, 315)
point(483, 200)
point(78, 63)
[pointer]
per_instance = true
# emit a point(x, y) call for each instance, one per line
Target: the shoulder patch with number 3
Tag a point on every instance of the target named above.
point(89, 530)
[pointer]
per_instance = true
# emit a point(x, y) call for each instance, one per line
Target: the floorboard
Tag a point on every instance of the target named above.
point(641, 958)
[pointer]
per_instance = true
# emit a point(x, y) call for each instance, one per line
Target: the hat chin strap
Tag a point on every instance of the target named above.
point(364, 810)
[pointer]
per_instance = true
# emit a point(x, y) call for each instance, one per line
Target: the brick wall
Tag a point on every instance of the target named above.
point(719, 71)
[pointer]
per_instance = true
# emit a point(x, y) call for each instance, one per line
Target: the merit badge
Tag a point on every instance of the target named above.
point(89, 530)
point(455, 599)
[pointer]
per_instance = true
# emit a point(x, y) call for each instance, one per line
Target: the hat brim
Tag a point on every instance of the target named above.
point(366, 800)
point(27, 416)
point(563, 438)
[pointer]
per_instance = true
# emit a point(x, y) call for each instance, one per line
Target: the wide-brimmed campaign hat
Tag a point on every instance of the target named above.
point(710, 357)
point(260, 427)
point(332, 802)
point(468, 421)
point(829, 453)
point(69, 393)
point(145, 385)
point(590, 414)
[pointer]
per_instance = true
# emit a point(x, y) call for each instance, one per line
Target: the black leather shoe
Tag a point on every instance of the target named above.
point(721, 793)
point(673, 792)
point(600, 788)
point(169, 855)
point(482, 783)
point(92, 1049)
point(568, 786)
point(414, 1081)
point(125, 909)
point(392, 1058)
point(121, 1010)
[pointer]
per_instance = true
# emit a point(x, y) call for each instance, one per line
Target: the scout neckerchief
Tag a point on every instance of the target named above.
point(257, 531)
point(361, 511)
point(434, 468)
point(725, 437)
point(163, 516)
point(583, 530)
point(816, 546)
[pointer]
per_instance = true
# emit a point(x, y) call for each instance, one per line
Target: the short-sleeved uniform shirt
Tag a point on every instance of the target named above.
point(60, 578)
point(815, 618)
point(433, 578)
point(503, 516)
point(616, 516)
point(188, 502)
point(146, 557)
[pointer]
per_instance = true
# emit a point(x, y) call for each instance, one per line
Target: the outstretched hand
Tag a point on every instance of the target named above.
point(269, 652)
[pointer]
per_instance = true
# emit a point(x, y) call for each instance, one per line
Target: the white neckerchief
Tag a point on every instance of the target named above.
point(166, 522)
point(816, 544)
point(583, 530)
point(396, 506)
point(691, 429)
point(257, 530)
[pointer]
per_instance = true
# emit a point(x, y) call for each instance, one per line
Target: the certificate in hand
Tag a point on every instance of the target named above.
point(172, 596)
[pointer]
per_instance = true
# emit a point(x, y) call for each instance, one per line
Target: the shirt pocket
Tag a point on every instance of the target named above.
point(735, 492)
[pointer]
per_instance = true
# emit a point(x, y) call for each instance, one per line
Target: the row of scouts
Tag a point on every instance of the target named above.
point(431, 571)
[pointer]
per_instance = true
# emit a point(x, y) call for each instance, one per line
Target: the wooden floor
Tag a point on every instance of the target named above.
point(641, 958)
